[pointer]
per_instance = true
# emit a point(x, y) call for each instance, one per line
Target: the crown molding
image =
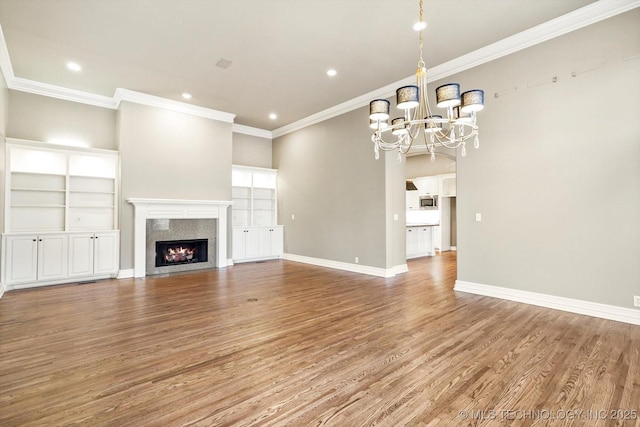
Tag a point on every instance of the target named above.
point(59, 92)
point(5, 61)
point(248, 130)
point(587, 15)
point(169, 104)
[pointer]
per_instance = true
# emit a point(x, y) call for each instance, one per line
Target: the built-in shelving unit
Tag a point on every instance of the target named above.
point(254, 214)
point(254, 196)
point(57, 195)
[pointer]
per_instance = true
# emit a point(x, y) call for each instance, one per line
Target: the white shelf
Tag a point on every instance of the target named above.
point(60, 189)
point(254, 196)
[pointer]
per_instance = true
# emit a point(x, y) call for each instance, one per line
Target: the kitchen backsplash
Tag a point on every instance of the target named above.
point(423, 217)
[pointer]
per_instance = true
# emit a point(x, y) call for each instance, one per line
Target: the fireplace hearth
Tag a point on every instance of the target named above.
point(176, 252)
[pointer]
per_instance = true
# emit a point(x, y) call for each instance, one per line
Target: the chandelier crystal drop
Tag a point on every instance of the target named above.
point(452, 131)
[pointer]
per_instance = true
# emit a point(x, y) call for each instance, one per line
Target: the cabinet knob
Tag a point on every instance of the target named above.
point(39, 240)
point(34, 240)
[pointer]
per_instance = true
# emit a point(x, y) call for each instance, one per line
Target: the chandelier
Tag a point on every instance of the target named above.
point(452, 131)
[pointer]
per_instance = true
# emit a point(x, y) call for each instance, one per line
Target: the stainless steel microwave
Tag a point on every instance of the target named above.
point(428, 202)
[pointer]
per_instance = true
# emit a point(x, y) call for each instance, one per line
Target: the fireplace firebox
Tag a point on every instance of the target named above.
point(174, 252)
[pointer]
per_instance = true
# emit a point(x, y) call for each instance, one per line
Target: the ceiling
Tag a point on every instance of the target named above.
point(279, 50)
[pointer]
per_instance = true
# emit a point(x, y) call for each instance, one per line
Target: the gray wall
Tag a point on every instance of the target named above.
point(421, 165)
point(169, 155)
point(328, 178)
point(251, 150)
point(557, 176)
point(40, 118)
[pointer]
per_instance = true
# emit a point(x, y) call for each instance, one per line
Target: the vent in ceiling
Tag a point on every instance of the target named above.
point(224, 63)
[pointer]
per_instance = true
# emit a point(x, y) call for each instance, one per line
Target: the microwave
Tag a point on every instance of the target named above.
point(428, 202)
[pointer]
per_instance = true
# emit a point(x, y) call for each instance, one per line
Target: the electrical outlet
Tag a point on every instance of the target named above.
point(636, 300)
point(357, 260)
point(293, 216)
point(478, 217)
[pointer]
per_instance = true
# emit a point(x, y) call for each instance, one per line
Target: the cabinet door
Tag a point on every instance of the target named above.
point(22, 259)
point(264, 242)
point(252, 248)
point(412, 241)
point(277, 241)
point(81, 255)
point(105, 257)
point(52, 257)
point(424, 238)
point(239, 243)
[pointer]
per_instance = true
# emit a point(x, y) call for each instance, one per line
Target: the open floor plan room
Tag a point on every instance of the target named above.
point(286, 343)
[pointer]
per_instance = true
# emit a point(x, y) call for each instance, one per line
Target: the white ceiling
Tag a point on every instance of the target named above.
point(280, 49)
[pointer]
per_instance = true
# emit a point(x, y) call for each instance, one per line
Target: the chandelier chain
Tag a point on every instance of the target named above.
point(421, 61)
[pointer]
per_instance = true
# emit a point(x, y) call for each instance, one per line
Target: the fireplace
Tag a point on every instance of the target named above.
point(175, 252)
point(169, 219)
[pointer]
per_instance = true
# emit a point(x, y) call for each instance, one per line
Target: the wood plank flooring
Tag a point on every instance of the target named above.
point(283, 343)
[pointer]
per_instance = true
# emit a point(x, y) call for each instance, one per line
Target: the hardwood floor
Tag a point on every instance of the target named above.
point(284, 343)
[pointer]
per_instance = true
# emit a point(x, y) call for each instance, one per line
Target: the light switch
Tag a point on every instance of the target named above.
point(395, 217)
point(478, 217)
point(293, 216)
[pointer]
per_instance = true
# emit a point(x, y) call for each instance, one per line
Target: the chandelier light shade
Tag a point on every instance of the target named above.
point(407, 97)
point(448, 95)
point(472, 100)
point(418, 122)
point(379, 109)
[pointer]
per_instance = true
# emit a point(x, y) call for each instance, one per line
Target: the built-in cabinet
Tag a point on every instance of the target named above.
point(255, 234)
point(254, 243)
point(419, 241)
point(60, 214)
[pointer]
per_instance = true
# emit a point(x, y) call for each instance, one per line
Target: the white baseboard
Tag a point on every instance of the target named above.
point(604, 311)
point(1, 289)
point(454, 248)
point(356, 268)
point(126, 274)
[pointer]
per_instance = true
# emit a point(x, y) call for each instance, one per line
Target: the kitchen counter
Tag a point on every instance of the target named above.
point(421, 225)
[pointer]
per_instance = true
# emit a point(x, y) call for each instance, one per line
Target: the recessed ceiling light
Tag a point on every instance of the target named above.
point(331, 72)
point(74, 66)
point(186, 95)
point(273, 116)
point(419, 26)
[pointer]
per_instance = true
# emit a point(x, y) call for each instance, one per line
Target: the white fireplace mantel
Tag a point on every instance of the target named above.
point(177, 209)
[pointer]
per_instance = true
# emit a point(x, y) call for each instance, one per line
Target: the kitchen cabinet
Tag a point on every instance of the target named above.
point(419, 241)
point(427, 185)
point(448, 185)
point(35, 258)
point(412, 200)
point(257, 243)
point(92, 254)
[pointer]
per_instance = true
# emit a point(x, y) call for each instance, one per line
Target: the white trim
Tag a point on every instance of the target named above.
point(128, 273)
point(587, 15)
point(1, 290)
point(59, 92)
point(603, 311)
point(248, 130)
point(169, 104)
point(174, 209)
point(454, 248)
point(356, 268)
point(5, 60)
